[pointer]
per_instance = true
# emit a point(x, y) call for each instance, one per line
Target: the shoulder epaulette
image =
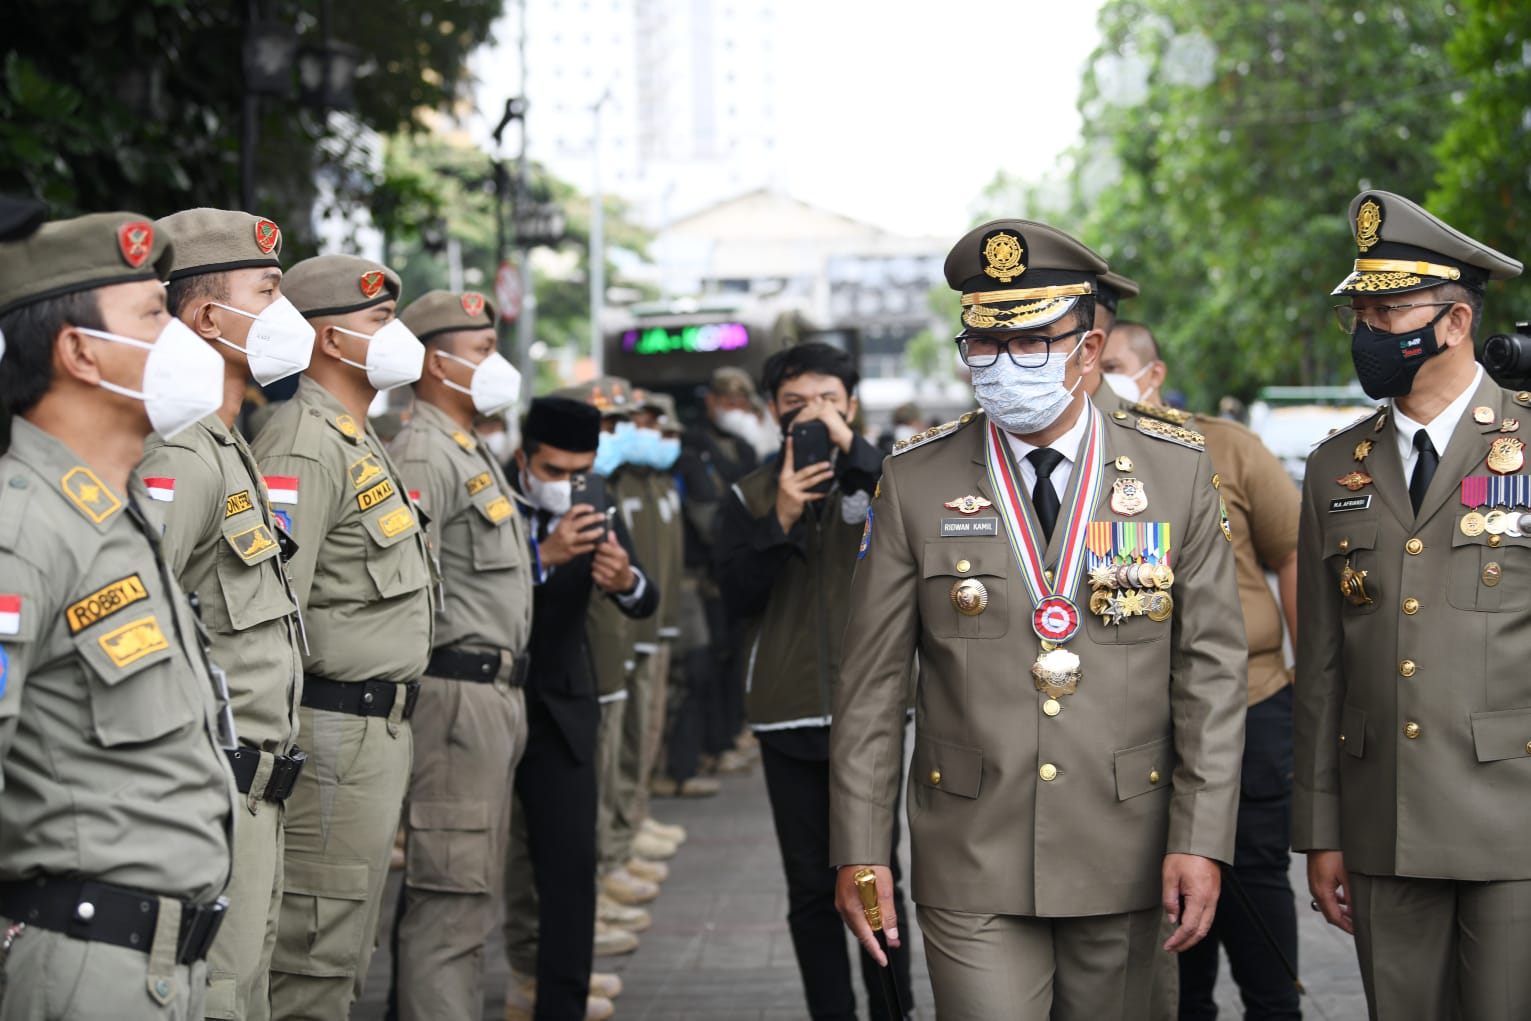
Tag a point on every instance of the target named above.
point(1377, 415)
point(307, 434)
point(935, 432)
point(1174, 416)
point(1173, 433)
point(13, 508)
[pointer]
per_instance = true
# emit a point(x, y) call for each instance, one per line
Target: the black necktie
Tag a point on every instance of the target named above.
point(1424, 468)
point(543, 517)
point(1044, 498)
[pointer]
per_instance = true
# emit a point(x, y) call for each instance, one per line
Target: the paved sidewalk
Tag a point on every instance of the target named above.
point(719, 950)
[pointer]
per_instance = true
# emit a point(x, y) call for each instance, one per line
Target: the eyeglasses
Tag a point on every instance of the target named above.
point(1029, 351)
point(1378, 317)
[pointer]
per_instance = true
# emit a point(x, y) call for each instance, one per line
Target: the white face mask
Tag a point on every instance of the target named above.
point(394, 355)
point(182, 381)
point(1126, 387)
point(499, 446)
point(279, 344)
point(1024, 401)
point(554, 497)
point(495, 385)
point(739, 422)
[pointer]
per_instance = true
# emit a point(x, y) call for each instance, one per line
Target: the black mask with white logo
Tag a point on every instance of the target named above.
point(1386, 363)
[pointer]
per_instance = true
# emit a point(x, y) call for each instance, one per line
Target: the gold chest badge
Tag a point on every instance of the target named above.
point(1506, 455)
point(1355, 481)
point(1002, 252)
point(969, 504)
point(970, 597)
point(1128, 497)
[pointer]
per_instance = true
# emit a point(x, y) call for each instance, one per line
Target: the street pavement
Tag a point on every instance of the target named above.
point(719, 950)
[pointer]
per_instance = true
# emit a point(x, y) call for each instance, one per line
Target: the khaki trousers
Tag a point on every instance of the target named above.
point(653, 737)
point(469, 737)
point(51, 977)
point(1097, 968)
point(1434, 949)
point(239, 963)
point(637, 743)
point(341, 822)
point(610, 783)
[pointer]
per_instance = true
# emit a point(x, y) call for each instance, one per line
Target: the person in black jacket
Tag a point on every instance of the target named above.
point(786, 550)
point(556, 781)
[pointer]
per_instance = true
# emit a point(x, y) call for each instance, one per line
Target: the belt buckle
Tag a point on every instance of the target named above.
point(284, 775)
point(199, 927)
point(411, 696)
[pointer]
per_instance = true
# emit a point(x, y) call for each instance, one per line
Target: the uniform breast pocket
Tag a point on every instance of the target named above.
point(251, 590)
point(963, 588)
point(395, 561)
point(1350, 553)
point(1490, 573)
point(136, 678)
point(492, 532)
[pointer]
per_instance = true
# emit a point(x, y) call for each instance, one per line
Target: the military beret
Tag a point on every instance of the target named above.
point(610, 395)
point(563, 423)
point(81, 254)
point(1113, 287)
point(217, 240)
point(731, 382)
point(1401, 247)
point(20, 217)
point(438, 312)
point(334, 285)
point(1019, 274)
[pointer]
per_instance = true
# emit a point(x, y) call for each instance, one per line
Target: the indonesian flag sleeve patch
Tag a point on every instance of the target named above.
point(282, 488)
point(160, 488)
point(10, 614)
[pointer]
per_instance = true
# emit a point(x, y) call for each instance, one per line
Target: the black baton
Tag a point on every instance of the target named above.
point(866, 887)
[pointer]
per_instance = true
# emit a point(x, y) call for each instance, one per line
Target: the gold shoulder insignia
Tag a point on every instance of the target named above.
point(1174, 416)
point(1523, 397)
point(87, 492)
point(347, 426)
point(463, 439)
point(1174, 433)
point(1377, 415)
point(933, 433)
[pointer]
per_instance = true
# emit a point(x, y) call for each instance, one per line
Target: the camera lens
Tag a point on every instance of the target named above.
point(1507, 354)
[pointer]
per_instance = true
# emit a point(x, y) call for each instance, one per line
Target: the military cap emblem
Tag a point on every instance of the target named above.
point(1368, 223)
point(267, 236)
point(372, 284)
point(135, 241)
point(1002, 250)
point(473, 304)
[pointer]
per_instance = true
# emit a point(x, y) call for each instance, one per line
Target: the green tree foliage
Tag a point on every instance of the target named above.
point(112, 105)
point(1222, 142)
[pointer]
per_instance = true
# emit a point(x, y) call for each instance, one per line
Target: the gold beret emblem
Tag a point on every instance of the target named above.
point(1003, 253)
point(1368, 222)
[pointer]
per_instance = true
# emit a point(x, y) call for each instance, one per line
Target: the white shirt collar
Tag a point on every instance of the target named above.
point(1068, 445)
point(1439, 428)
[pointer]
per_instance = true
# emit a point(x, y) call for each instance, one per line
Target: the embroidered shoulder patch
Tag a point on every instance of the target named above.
point(87, 492)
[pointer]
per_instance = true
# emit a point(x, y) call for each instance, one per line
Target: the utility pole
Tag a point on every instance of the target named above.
point(525, 322)
point(597, 253)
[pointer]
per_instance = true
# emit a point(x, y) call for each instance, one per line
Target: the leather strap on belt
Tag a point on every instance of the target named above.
point(106, 913)
point(358, 698)
point(483, 667)
point(285, 770)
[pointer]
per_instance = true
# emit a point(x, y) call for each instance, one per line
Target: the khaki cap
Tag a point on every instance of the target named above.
point(334, 285)
point(612, 396)
point(731, 382)
point(1401, 247)
point(1019, 274)
point(1113, 287)
point(218, 240)
point(438, 312)
point(81, 254)
point(663, 407)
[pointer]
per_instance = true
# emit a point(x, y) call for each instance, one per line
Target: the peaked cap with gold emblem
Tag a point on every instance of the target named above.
point(219, 240)
point(612, 396)
point(81, 254)
point(438, 312)
point(1020, 275)
point(337, 285)
point(1401, 247)
point(1113, 288)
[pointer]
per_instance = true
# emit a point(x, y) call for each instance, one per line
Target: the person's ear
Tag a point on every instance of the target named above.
point(851, 408)
point(75, 357)
point(1459, 325)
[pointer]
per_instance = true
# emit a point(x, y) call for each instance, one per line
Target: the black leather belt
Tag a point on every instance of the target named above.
point(107, 913)
point(358, 698)
point(285, 771)
point(459, 665)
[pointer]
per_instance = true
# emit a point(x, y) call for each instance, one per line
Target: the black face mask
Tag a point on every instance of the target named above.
point(1386, 363)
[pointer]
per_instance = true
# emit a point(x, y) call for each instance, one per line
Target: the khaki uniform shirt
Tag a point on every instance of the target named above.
point(109, 762)
point(219, 541)
point(634, 495)
point(362, 572)
point(1019, 803)
point(1412, 712)
point(476, 529)
point(669, 558)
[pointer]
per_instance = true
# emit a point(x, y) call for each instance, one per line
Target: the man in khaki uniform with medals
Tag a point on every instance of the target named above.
point(116, 800)
point(470, 725)
point(1063, 574)
point(364, 578)
point(1413, 708)
point(220, 541)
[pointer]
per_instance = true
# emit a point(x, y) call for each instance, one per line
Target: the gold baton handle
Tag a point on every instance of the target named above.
point(866, 888)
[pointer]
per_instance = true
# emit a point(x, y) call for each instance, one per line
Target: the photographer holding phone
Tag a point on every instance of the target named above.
point(788, 541)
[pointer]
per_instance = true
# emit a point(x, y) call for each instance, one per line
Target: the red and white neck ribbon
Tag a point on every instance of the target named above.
point(1056, 618)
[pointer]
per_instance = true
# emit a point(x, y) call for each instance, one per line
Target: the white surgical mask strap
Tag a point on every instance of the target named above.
point(364, 336)
point(117, 338)
point(463, 361)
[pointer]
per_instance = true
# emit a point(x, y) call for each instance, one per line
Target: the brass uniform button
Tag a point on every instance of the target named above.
point(1407, 668)
point(1342, 739)
point(935, 777)
point(1344, 545)
point(1153, 776)
point(1411, 730)
point(1528, 747)
point(1051, 707)
point(1411, 606)
point(1119, 415)
point(964, 566)
point(1415, 547)
point(1048, 771)
point(1495, 540)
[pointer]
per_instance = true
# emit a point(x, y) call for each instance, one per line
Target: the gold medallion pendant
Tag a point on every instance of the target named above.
point(1160, 606)
point(1353, 586)
point(1506, 455)
point(1056, 672)
point(970, 597)
point(1473, 524)
point(1128, 497)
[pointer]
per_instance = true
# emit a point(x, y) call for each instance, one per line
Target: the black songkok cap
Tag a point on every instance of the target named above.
point(563, 423)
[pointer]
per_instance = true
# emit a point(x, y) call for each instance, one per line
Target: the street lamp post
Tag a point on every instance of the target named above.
point(597, 253)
